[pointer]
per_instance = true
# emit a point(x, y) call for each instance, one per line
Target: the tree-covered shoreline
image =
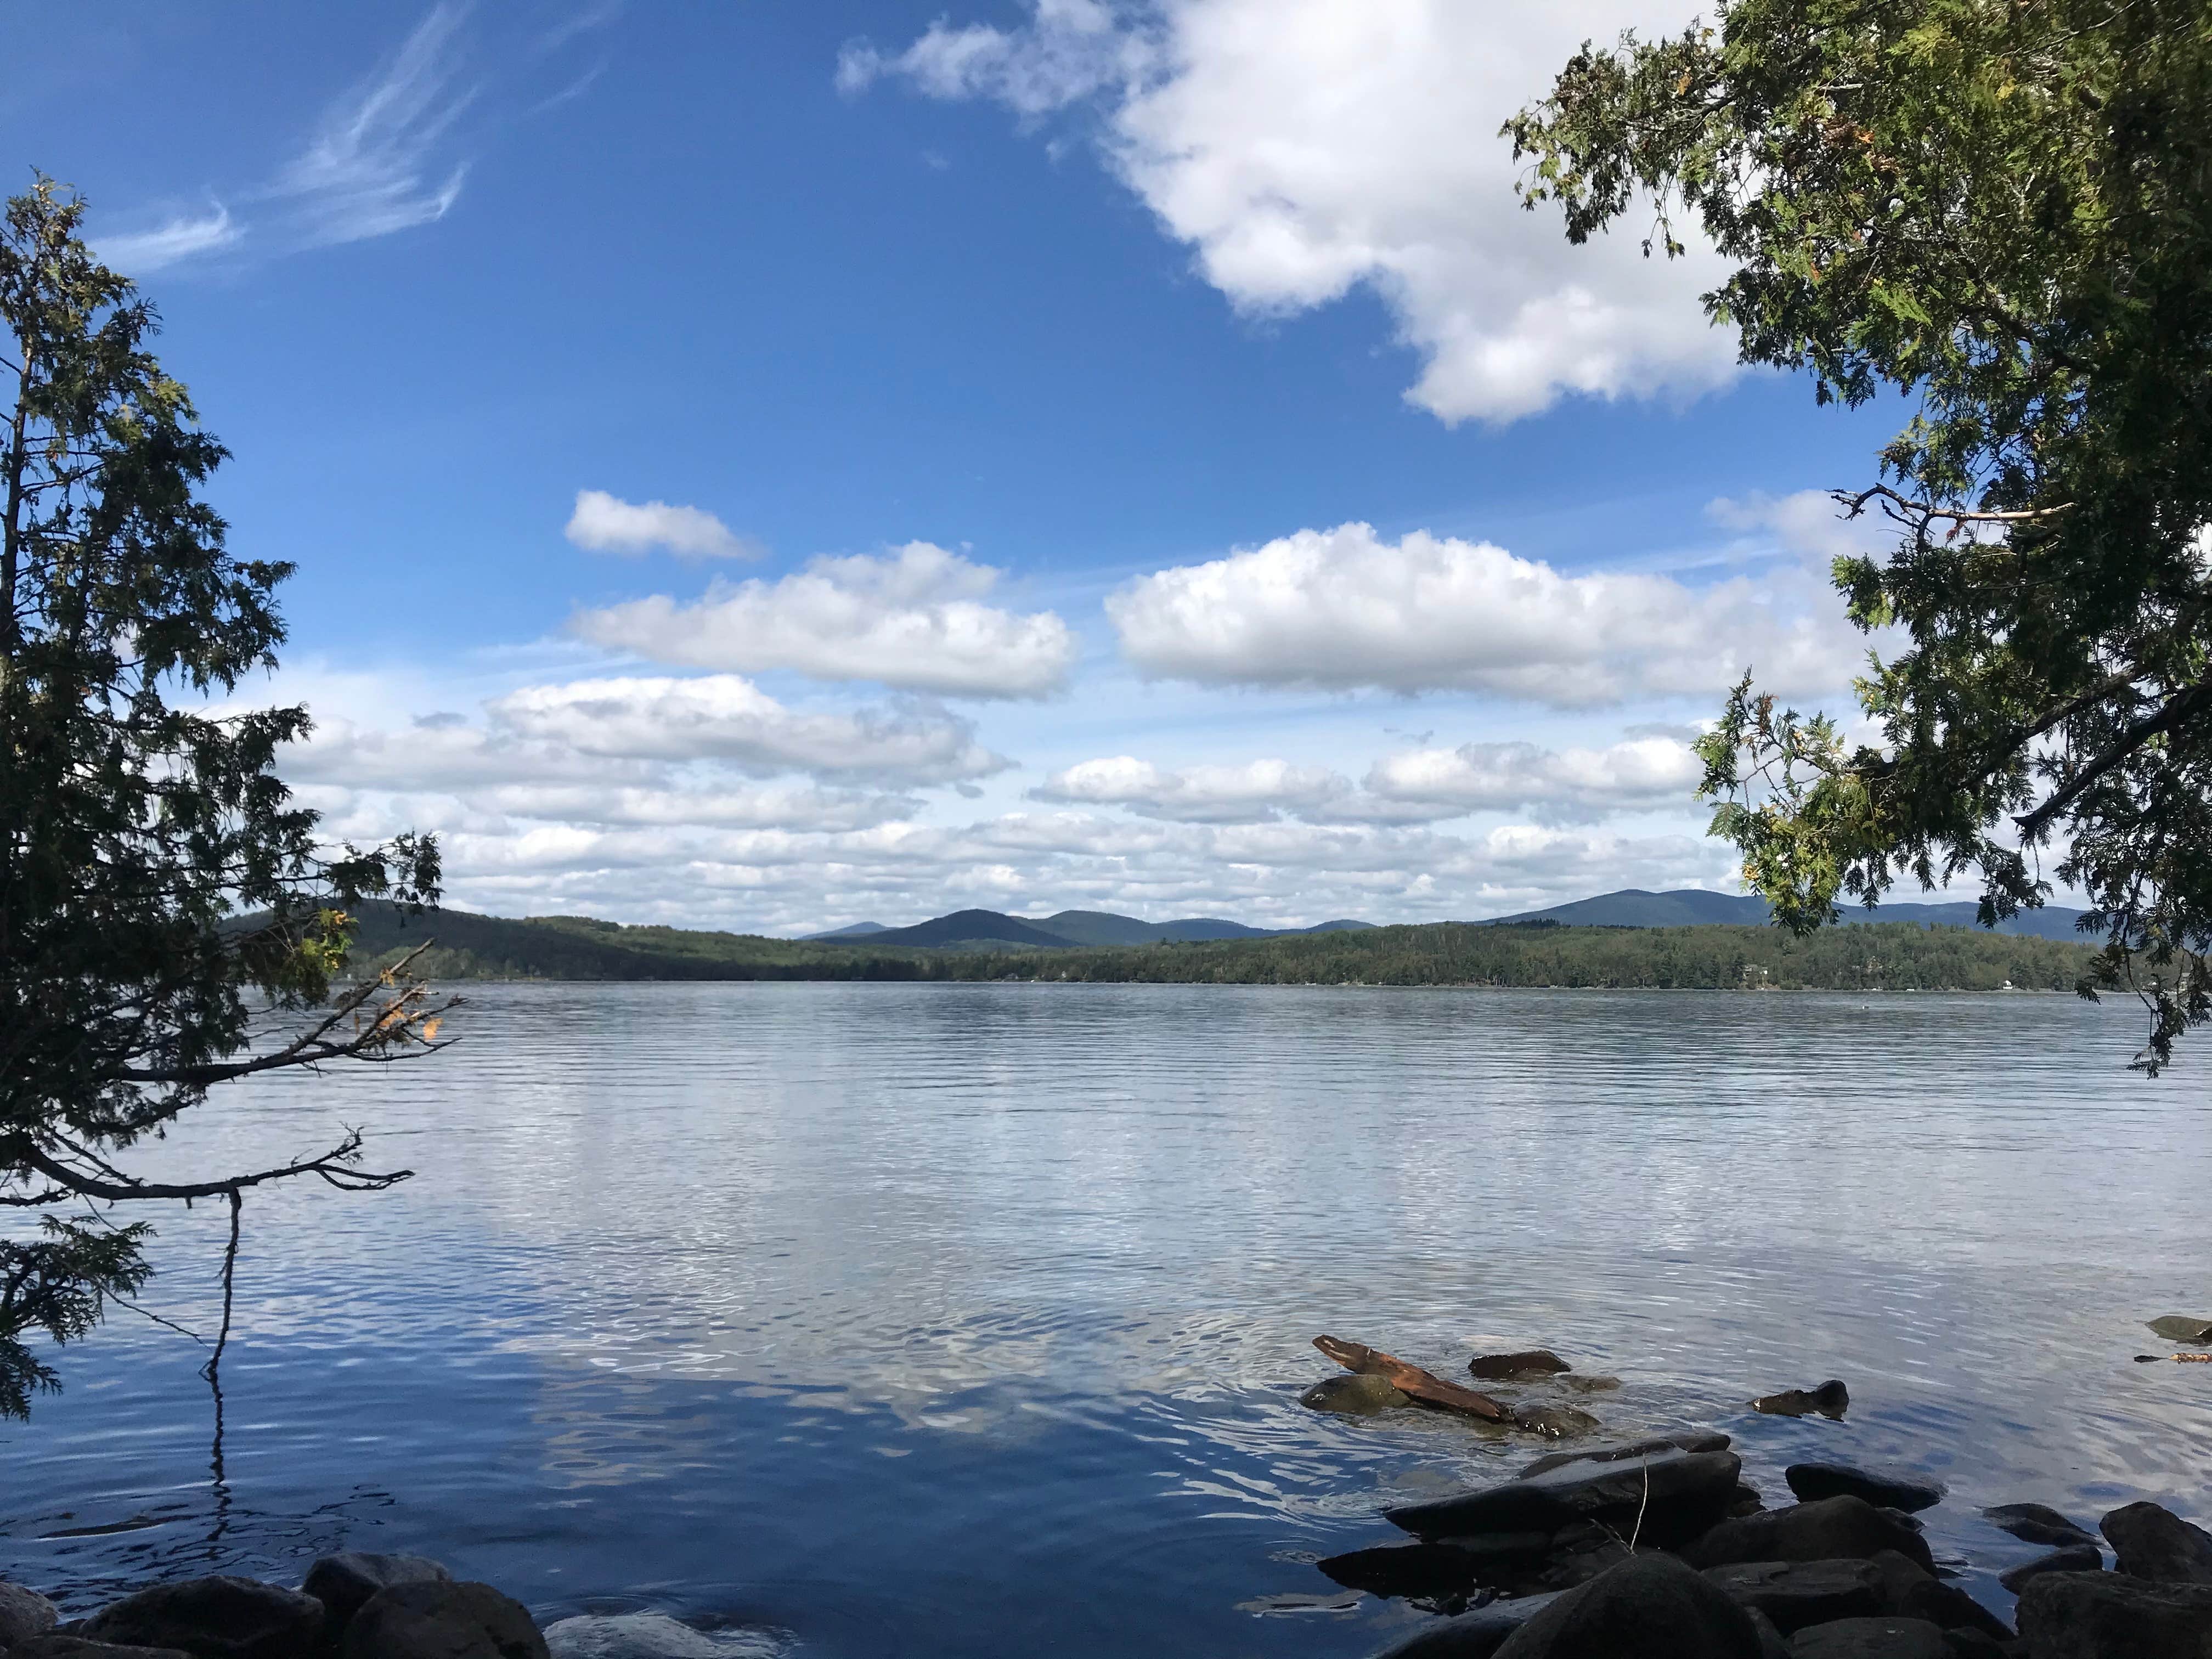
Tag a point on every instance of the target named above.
point(1883, 957)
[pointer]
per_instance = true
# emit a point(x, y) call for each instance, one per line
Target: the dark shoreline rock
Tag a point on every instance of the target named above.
point(1833, 1528)
point(442, 1619)
point(2109, 1615)
point(1517, 1367)
point(1830, 1399)
point(344, 1582)
point(1884, 1488)
point(1677, 1495)
point(24, 1613)
point(215, 1618)
point(2153, 1542)
point(1701, 1440)
point(2067, 1557)
point(1355, 1395)
point(2037, 1523)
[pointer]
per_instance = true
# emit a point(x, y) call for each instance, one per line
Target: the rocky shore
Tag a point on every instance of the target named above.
point(1657, 1548)
point(349, 1606)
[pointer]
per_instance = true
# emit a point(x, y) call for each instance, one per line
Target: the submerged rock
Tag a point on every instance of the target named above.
point(1830, 1399)
point(2183, 1328)
point(1355, 1396)
point(650, 1636)
point(2106, 1615)
point(344, 1582)
point(443, 1619)
point(1887, 1636)
point(1517, 1367)
point(1653, 1608)
point(1833, 1528)
point(216, 1618)
point(2154, 1543)
point(1693, 1441)
point(1677, 1493)
point(1453, 1567)
point(1476, 1635)
point(1560, 1422)
point(2067, 1558)
point(23, 1614)
point(2037, 1523)
point(1795, 1594)
point(1885, 1488)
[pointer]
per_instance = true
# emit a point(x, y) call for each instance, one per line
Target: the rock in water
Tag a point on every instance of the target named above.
point(54, 1646)
point(1517, 1367)
point(1885, 1489)
point(1832, 1529)
point(2154, 1543)
point(1677, 1495)
point(1560, 1422)
point(650, 1636)
point(218, 1618)
point(1445, 1569)
point(1830, 1399)
point(1476, 1635)
point(23, 1614)
point(1886, 1637)
point(443, 1619)
point(2182, 1328)
point(1693, 1441)
point(2067, 1558)
point(344, 1582)
point(2105, 1615)
point(1653, 1608)
point(2037, 1523)
point(1357, 1396)
point(1795, 1594)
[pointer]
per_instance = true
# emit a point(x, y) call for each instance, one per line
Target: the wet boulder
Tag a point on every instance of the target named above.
point(23, 1614)
point(1559, 1422)
point(215, 1618)
point(2067, 1558)
point(442, 1619)
point(2037, 1523)
point(1884, 1488)
point(1520, 1367)
point(1913, 1591)
point(1835, 1528)
point(1652, 1606)
point(2108, 1616)
point(1830, 1399)
point(2154, 1543)
point(1795, 1594)
point(1663, 1497)
point(1693, 1441)
point(1354, 1395)
point(344, 1582)
point(1885, 1636)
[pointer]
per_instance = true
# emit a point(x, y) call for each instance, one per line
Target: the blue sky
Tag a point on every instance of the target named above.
point(766, 466)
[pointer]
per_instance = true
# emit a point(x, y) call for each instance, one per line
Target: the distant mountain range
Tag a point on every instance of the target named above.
point(1631, 907)
point(1066, 929)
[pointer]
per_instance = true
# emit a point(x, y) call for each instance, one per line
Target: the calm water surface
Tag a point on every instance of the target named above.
point(940, 1319)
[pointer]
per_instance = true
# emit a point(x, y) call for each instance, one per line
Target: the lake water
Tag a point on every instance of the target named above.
point(963, 1319)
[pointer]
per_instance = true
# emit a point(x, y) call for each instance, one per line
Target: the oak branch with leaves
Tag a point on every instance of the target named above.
point(169, 922)
point(2001, 209)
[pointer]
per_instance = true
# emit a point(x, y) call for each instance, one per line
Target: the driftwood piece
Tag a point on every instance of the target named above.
point(1411, 1380)
point(2185, 1358)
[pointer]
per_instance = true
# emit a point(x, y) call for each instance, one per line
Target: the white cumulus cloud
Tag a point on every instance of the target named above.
point(1577, 784)
point(606, 524)
point(1302, 148)
point(914, 618)
point(1196, 794)
point(1343, 609)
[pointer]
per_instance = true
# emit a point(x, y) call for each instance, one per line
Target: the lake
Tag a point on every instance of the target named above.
point(926, 1320)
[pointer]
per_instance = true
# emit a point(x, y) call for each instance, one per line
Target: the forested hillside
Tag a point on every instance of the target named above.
point(1888, 956)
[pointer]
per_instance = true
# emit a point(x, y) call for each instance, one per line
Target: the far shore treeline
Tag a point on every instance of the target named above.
point(1887, 956)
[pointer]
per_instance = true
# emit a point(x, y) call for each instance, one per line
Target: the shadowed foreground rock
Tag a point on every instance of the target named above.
point(1653, 1607)
point(2105, 1615)
point(1887, 1489)
point(1835, 1529)
point(1476, 1635)
point(2154, 1543)
point(443, 1619)
point(52, 1645)
point(1885, 1636)
point(2070, 1558)
point(1795, 1593)
point(23, 1614)
point(218, 1618)
point(343, 1583)
point(1677, 1494)
point(1619, 1451)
